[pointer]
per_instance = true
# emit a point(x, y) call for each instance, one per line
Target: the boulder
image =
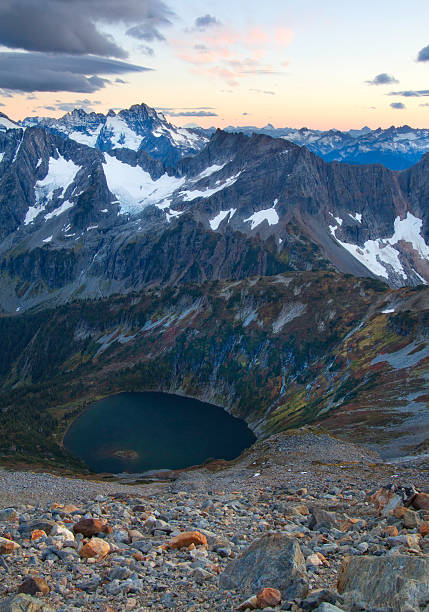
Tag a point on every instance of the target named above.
point(90, 527)
point(386, 500)
point(322, 519)
point(186, 539)
point(389, 582)
point(275, 560)
point(411, 519)
point(96, 547)
point(7, 546)
point(8, 514)
point(420, 501)
point(33, 585)
point(26, 529)
point(327, 607)
point(23, 603)
point(268, 598)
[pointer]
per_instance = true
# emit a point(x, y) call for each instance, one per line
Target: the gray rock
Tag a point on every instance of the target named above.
point(23, 603)
point(322, 519)
point(327, 607)
point(274, 560)
point(393, 582)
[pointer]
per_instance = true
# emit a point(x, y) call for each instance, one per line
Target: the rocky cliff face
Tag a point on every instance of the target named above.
point(95, 222)
point(278, 351)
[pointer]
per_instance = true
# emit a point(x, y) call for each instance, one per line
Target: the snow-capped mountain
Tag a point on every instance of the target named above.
point(7, 124)
point(79, 221)
point(396, 147)
point(138, 128)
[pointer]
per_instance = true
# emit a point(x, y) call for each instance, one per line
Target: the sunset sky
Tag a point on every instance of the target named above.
point(220, 62)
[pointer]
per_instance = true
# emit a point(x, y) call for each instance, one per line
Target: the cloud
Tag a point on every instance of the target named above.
point(423, 55)
point(263, 91)
point(411, 93)
point(70, 26)
point(201, 113)
point(86, 104)
point(383, 79)
point(193, 111)
point(206, 21)
point(146, 50)
point(232, 55)
point(28, 72)
point(398, 105)
point(145, 31)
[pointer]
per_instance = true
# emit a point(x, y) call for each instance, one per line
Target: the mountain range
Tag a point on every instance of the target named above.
point(241, 269)
point(92, 205)
point(396, 148)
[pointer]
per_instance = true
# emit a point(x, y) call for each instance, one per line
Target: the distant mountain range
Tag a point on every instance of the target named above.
point(95, 204)
point(396, 148)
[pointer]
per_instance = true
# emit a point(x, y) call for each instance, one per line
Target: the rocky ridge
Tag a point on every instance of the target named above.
point(301, 521)
point(86, 220)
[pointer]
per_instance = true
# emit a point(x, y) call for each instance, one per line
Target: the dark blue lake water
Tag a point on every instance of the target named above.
point(137, 432)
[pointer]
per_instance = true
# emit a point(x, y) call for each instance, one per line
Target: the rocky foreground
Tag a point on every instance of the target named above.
point(301, 521)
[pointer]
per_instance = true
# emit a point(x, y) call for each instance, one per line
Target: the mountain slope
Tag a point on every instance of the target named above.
point(77, 221)
point(279, 352)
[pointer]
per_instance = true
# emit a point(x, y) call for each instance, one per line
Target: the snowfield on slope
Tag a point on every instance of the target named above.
point(61, 173)
point(377, 254)
point(134, 187)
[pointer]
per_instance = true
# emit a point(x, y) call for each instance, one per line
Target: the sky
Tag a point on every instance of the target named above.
point(314, 64)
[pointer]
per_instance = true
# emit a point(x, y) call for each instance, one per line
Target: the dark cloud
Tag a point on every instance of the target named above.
point(70, 26)
point(1, 104)
point(411, 93)
point(423, 55)
point(244, 113)
point(398, 105)
point(86, 104)
point(383, 79)
point(146, 50)
point(30, 72)
point(145, 31)
point(425, 104)
point(206, 21)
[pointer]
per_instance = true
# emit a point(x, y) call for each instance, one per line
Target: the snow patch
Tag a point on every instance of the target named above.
point(134, 187)
point(211, 170)
point(216, 221)
point(58, 211)
point(268, 214)
point(48, 239)
point(88, 139)
point(357, 217)
point(120, 134)
point(197, 193)
point(1, 157)
point(61, 173)
point(377, 254)
point(7, 124)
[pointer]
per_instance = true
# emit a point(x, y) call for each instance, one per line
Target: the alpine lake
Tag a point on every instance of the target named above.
point(141, 432)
